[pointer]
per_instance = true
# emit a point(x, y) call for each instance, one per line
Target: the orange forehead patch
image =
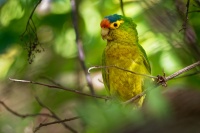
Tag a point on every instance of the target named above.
point(105, 23)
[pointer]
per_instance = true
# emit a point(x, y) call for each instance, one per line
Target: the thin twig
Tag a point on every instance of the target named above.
point(100, 67)
point(55, 116)
point(189, 74)
point(30, 38)
point(55, 122)
point(186, 15)
point(31, 15)
point(182, 70)
point(187, 10)
point(80, 46)
point(61, 88)
point(122, 7)
point(23, 115)
point(52, 81)
point(194, 11)
point(52, 115)
point(136, 97)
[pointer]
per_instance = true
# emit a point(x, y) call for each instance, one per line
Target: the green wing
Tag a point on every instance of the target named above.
point(144, 56)
point(105, 72)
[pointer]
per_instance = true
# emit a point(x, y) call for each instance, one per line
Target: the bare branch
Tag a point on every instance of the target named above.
point(30, 38)
point(23, 115)
point(187, 75)
point(55, 122)
point(122, 7)
point(99, 67)
point(136, 97)
point(186, 15)
point(61, 88)
point(31, 15)
point(52, 81)
point(183, 70)
point(194, 11)
point(80, 46)
point(55, 116)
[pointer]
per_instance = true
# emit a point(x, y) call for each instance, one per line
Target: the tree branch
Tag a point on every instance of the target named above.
point(99, 67)
point(182, 70)
point(80, 46)
point(122, 7)
point(30, 17)
point(194, 11)
point(55, 116)
point(55, 122)
point(30, 38)
point(186, 15)
point(52, 115)
point(187, 75)
point(61, 88)
point(23, 115)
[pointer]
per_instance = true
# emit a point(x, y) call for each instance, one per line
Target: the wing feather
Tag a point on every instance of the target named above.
point(145, 59)
point(105, 73)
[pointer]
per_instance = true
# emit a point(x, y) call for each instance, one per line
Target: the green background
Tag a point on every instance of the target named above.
point(159, 25)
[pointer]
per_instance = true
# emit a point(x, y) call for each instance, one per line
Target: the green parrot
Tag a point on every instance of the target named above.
point(123, 51)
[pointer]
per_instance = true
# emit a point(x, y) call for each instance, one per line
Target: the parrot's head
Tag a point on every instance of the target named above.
point(115, 27)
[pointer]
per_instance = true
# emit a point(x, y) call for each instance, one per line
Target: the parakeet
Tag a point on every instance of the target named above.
point(124, 51)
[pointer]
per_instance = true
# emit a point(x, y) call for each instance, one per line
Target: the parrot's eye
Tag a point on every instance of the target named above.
point(116, 24)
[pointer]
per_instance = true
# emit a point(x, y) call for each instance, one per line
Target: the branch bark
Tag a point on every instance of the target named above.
point(52, 115)
point(186, 16)
point(61, 88)
point(30, 38)
point(80, 46)
point(23, 115)
point(55, 122)
point(55, 116)
point(122, 7)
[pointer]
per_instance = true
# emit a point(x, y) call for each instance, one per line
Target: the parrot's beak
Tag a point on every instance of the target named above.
point(105, 24)
point(104, 32)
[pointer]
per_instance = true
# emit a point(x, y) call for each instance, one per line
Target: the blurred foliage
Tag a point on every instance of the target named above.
point(159, 25)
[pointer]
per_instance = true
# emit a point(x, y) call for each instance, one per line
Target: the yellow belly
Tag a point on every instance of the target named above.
point(124, 85)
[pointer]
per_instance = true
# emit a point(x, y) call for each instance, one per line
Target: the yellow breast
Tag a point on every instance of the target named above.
point(122, 84)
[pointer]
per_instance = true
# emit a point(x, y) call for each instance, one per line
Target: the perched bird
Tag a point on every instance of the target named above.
point(123, 51)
